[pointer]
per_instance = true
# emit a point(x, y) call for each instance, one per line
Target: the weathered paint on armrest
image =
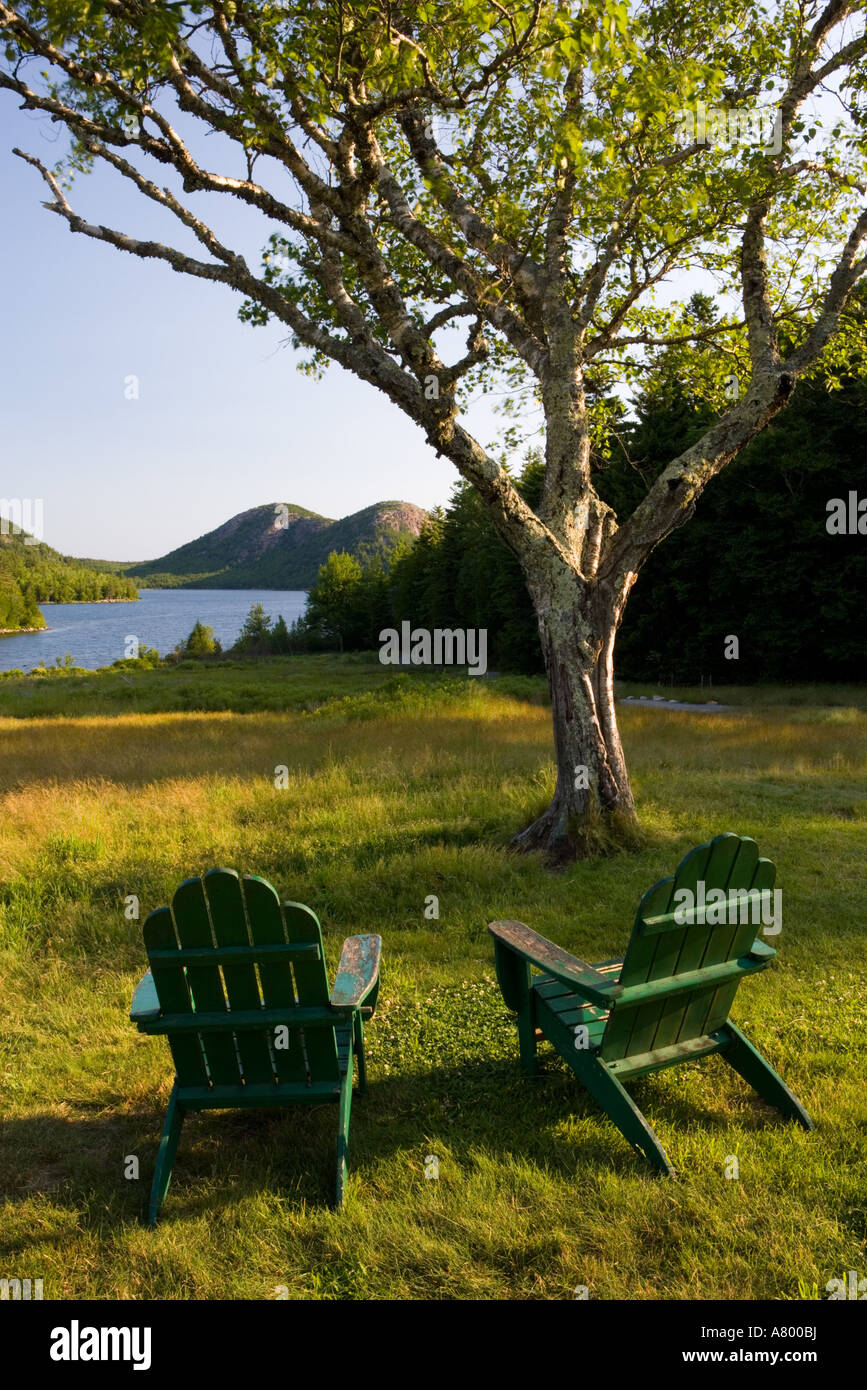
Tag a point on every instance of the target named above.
point(145, 1004)
point(545, 954)
point(358, 971)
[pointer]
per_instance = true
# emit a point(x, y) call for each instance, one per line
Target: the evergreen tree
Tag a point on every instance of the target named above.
point(281, 641)
point(201, 641)
point(255, 636)
point(335, 601)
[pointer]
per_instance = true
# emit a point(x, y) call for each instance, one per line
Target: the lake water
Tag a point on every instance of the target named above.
point(95, 633)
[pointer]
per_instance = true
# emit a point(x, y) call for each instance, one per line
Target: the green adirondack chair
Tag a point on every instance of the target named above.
point(667, 1001)
point(237, 984)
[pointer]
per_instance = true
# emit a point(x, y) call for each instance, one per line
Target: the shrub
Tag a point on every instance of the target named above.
point(201, 642)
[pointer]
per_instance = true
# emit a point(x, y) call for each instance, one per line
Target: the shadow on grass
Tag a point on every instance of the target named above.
point(486, 1108)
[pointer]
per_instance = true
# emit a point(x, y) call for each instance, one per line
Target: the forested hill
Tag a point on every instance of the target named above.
point(279, 546)
point(32, 573)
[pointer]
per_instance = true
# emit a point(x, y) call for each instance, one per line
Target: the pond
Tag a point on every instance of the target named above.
point(96, 634)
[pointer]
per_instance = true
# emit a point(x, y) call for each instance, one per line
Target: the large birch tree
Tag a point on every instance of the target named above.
point(458, 193)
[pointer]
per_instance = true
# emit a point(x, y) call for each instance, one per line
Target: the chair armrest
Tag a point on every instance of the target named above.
point(760, 950)
point(553, 960)
point(358, 972)
point(145, 1004)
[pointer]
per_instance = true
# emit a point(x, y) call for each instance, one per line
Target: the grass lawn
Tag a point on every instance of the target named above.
point(401, 788)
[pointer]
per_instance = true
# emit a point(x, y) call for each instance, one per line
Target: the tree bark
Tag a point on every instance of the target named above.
point(592, 806)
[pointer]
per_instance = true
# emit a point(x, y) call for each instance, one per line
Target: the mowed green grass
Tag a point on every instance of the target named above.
point(395, 795)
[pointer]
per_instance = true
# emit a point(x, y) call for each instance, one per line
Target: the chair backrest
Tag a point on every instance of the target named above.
point(227, 946)
point(689, 954)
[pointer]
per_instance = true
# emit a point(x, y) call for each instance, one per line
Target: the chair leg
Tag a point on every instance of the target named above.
point(343, 1125)
point(749, 1063)
point(622, 1110)
point(166, 1155)
point(527, 1035)
point(359, 1048)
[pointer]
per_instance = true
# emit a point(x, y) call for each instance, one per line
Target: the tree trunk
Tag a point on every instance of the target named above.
point(592, 805)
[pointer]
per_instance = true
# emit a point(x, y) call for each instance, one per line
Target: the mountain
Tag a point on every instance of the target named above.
point(278, 546)
point(32, 573)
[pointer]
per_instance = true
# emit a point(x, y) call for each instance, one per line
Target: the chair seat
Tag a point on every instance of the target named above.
point(571, 1011)
point(257, 1094)
point(556, 1000)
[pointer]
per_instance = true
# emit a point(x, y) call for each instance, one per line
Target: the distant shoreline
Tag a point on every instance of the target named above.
point(212, 589)
point(63, 602)
point(20, 631)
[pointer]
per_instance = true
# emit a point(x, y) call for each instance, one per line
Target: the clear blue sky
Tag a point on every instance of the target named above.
point(224, 421)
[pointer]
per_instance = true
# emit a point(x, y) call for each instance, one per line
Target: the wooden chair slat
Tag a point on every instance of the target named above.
point(743, 937)
point(173, 993)
point(225, 897)
point(311, 981)
point(268, 931)
point(193, 924)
